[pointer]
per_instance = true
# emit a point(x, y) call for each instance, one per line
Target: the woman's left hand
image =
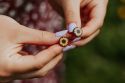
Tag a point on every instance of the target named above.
point(88, 14)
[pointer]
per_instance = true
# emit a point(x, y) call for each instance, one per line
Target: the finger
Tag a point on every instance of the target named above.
point(87, 40)
point(43, 71)
point(72, 11)
point(32, 36)
point(49, 66)
point(29, 63)
point(96, 20)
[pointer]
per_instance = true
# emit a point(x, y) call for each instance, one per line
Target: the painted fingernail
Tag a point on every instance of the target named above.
point(71, 27)
point(76, 39)
point(67, 48)
point(61, 33)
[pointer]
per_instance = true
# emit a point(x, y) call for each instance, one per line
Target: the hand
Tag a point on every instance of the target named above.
point(14, 65)
point(88, 14)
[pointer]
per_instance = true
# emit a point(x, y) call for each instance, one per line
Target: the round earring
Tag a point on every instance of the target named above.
point(63, 41)
point(77, 32)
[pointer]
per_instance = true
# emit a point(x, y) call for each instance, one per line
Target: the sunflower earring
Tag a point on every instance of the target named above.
point(68, 36)
point(73, 29)
point(63, 41)
point(77, 32)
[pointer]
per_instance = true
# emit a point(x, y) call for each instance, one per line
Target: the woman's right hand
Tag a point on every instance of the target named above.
point(14, 65)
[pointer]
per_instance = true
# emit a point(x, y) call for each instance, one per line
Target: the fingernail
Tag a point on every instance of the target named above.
point(61, 33)
point(71, 27)
point(76, 39)
point(67, 48)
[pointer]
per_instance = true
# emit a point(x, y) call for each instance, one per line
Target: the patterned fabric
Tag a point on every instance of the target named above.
point(36, 14)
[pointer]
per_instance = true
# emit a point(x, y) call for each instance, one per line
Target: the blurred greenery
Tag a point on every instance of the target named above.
point(102, 60)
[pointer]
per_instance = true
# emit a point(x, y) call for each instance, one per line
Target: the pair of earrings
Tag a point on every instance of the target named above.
point(72, 33)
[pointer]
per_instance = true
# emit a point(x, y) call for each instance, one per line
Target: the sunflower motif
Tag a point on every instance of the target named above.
point(64, 41)
point(77, 31)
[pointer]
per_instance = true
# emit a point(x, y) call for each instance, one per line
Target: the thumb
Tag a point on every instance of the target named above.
point(33, 36)
point(72, 11)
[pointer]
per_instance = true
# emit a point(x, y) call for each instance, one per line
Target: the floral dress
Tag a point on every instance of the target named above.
point(37, 14)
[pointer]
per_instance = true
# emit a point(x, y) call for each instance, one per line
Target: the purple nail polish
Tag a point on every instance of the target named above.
point(67, 48)
point(71, 27)
point(61, 33)
point(76, 39)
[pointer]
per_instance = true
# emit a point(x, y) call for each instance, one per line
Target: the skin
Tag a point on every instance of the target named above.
point(17, 65)
point(87, 14)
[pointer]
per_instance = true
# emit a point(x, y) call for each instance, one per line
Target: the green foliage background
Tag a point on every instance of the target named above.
point(102, 60)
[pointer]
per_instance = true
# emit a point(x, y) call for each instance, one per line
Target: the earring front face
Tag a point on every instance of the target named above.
point(64, 41)
point(73, 34)
point(77, 32)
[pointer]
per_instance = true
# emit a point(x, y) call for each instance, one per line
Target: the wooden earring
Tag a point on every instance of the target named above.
point(63, 41)
point(77, 32)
